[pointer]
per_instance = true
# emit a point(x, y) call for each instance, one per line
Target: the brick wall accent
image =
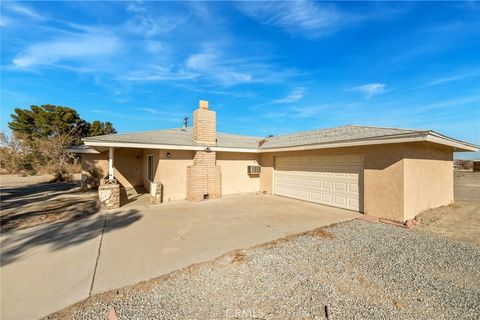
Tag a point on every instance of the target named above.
point(204, 126)
point(204, 177)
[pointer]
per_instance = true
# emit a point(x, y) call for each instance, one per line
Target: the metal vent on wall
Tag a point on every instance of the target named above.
point(254, 169)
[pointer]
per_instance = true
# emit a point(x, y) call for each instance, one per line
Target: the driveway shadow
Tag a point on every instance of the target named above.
point(62, 234)
point(31, 205)
point(13, 197)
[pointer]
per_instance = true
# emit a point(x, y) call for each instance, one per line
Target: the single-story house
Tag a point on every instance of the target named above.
point(390, 173)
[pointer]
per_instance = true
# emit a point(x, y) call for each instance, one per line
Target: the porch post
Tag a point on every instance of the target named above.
point(110, 163)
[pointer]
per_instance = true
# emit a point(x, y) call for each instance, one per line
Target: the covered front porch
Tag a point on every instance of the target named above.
point(123, 176)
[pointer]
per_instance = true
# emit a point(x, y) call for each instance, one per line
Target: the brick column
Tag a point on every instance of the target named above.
point(204, 177)
point(204, 125)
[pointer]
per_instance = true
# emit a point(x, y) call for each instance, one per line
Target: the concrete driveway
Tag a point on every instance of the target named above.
point(46, 268)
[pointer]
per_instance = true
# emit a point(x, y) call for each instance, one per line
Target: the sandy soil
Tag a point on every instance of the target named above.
point(32, 200)
point(460, 221)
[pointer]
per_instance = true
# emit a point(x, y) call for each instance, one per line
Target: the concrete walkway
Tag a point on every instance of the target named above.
point(47, 268)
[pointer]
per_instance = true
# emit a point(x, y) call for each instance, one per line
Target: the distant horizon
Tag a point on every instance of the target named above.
point(266, 68)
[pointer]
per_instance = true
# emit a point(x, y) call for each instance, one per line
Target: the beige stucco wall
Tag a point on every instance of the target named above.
point(172, 173)
point(266, 175)
point(399, 180)
point(94, 166)
point(128, 165)
point(428, 175)
point(235, 178)
point(383, 181)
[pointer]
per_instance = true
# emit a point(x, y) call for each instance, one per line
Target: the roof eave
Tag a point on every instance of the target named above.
point(351, 143)
point(425, 136)
point(81, 150)
point(428, 136)
point(166, 146)
point(457, 145)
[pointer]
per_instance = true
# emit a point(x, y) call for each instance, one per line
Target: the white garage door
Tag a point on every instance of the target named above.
point(331, 180)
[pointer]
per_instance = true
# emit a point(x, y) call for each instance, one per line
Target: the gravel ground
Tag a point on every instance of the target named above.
point(354, 270)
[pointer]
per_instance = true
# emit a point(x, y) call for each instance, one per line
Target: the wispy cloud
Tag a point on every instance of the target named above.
point(21, 9)
point(311, 18)
point(370, 89)
point(215, 66)
point(149, 73)
point(145, 23)
point(76, 46)
point(295, 95)
point(455, 77)
point(216, 70)
point(152, 54)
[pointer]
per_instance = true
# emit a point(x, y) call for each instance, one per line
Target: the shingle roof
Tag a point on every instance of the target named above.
point(332, 135)
point(179, 136)
point(184, 137)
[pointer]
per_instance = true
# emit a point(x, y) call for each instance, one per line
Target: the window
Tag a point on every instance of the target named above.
point(150, 167)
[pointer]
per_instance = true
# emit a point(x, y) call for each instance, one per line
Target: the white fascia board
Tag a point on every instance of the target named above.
point(81, 150)
point(165, 146)
point(141, 145)
point(457, 145)
point(226, 149)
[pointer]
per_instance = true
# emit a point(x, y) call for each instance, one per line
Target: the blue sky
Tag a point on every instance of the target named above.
point(266, 68)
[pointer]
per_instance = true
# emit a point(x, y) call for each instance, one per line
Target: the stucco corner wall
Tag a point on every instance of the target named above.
point(127, 166)
point(235, 177)
point(383, 182)
point(170, 169)
point(94, 166)
point(428, 174)
point(266, 174)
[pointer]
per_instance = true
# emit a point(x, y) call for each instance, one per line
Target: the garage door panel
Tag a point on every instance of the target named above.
point(315, 184)
point(315, 196)
point(353, 203)
point(330, 180)
point(340, 200)
point(340, 186)
point(353, 187)
point(327, 198)
point(327, 185)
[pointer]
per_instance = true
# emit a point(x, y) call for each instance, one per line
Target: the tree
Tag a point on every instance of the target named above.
point(40, 136)
point(98, 128)
point(46, 121)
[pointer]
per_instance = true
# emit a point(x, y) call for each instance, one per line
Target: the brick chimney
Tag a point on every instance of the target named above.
point(204, 124)
point(204, 177)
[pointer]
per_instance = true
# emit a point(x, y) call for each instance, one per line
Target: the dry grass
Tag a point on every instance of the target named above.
point(238, 256)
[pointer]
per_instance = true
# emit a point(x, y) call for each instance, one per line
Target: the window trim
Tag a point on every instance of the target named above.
point(150, 175)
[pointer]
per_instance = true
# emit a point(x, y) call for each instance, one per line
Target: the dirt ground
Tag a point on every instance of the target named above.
point(32, 200)
point(460, 221)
